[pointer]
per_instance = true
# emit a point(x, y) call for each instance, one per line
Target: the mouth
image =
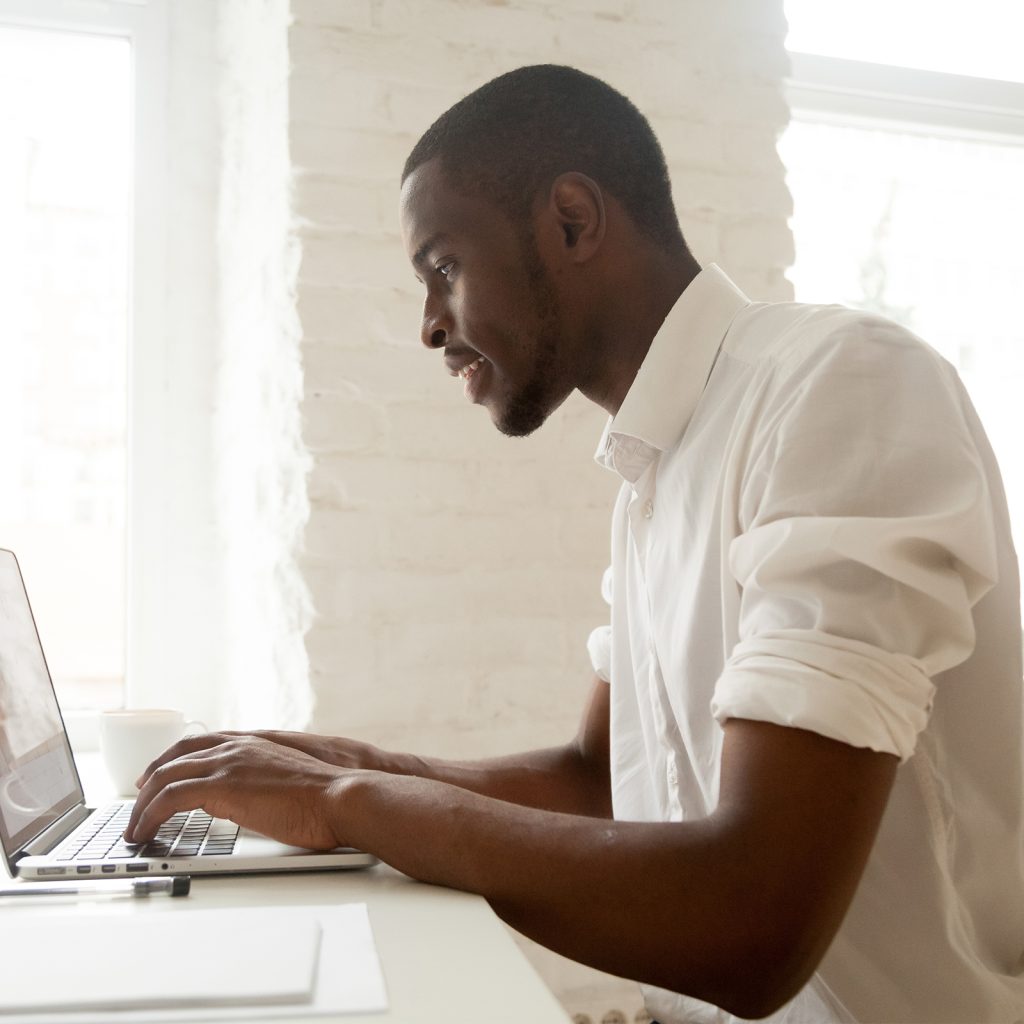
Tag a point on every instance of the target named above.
point(473, 376)
point(469, 369)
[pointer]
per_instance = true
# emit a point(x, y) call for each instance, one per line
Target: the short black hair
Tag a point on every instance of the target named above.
point(509, 139)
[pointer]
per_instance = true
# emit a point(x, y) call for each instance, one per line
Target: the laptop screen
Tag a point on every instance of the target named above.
point(38, 780)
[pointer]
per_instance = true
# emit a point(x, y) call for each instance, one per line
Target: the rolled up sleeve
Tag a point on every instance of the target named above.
point(867, 539)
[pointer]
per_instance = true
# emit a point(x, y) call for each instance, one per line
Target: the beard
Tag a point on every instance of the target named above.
point(536, 399)
point(534, 402)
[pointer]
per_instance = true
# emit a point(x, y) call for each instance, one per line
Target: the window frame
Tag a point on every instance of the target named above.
point(145, 24)
point(840, 91)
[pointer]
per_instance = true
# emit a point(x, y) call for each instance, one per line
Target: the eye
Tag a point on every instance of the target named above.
point(446, 269)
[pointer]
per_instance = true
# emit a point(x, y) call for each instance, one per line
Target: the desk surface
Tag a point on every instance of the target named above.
point(445, 956)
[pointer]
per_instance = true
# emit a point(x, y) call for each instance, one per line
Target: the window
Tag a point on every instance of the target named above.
point(65, 185)
point(906, 189)
point(82, 96)
point(980, 39)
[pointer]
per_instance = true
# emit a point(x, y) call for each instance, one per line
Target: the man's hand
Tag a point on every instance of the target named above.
point(336, 750)
point(279, 791)
point(736, 908)
point(288, 784)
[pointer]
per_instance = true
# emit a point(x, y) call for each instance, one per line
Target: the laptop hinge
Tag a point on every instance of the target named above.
point(51, 836)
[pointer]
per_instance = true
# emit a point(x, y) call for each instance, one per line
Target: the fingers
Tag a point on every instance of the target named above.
point(174, 797)
point(277, 790)
point(143, 824)
point(172, 783)
point(188, 745)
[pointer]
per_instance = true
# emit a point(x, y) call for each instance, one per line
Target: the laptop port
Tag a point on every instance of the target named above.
point(136, 869)
point(53, 871)
point(83, 869)
point(108, 869)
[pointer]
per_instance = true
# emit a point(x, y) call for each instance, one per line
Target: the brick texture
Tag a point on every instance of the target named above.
point(454, 573)
point(412, 491)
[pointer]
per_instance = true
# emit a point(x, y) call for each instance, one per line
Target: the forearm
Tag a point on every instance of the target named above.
point(574, 778)
point(555, 779)
point(569, 778)
point(736, 908)
point(570, 882)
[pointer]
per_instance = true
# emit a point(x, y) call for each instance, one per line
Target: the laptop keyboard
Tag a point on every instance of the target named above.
point(188, 834)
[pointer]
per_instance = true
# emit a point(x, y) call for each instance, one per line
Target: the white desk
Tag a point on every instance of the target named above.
point(446, 958)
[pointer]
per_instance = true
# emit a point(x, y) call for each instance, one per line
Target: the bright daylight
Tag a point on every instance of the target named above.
point(509, 511)
point(65, 202)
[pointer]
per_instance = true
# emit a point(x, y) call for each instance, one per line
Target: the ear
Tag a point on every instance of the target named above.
point(577, 204)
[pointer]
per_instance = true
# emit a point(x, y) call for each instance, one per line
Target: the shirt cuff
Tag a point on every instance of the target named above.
point(599, 647)
point(843, 689)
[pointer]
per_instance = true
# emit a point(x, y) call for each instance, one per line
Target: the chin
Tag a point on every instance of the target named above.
point(519, 422)
point(528, 411)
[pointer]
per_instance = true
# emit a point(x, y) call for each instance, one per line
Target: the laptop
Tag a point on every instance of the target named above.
point(46, 829)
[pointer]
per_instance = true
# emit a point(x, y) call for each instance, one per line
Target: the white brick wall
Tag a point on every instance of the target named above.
point(177, 581)
point(438, 552)
point(454, 572)
point(261, 462)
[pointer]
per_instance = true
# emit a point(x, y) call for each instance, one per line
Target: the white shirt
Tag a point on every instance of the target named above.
point(812, 531)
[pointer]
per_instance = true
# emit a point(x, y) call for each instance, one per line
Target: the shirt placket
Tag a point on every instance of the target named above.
point(641, 513)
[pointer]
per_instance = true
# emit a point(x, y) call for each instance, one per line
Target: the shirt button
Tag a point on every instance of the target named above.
point(648, 509)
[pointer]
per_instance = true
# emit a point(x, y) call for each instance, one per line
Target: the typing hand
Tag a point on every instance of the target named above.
point(336, 750)
point(344, 753)
point(278, 791)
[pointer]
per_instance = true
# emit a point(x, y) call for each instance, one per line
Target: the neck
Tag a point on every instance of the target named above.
point(627, 315)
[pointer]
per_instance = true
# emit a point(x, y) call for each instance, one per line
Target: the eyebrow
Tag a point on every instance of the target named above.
point(421, 253)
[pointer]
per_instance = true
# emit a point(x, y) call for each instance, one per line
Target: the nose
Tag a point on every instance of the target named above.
point(435, 327)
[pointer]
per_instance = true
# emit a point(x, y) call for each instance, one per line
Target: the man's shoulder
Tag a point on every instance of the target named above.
point(791, 336)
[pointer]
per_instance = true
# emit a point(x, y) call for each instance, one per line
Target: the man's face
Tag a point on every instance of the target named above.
point(490, 302)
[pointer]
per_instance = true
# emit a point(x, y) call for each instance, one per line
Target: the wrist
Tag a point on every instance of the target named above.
point(348, 798)
point(396, 763)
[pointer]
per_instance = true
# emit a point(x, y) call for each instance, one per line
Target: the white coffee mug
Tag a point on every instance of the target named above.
point(132, 738)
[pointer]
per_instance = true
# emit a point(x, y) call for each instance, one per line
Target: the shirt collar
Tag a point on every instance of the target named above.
point(662, 398)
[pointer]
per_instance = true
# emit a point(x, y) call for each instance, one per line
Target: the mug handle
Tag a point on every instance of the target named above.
point(199, 727)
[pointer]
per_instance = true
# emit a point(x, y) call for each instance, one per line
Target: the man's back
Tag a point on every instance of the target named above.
point(816, 540)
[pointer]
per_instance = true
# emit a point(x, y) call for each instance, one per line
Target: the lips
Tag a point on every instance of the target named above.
point(458, 362)
point(470, 368)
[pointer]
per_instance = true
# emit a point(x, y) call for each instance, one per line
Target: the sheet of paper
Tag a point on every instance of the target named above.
point(149, 961)
point(331, 948)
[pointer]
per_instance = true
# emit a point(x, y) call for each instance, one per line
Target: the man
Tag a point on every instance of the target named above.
point(802, 788)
